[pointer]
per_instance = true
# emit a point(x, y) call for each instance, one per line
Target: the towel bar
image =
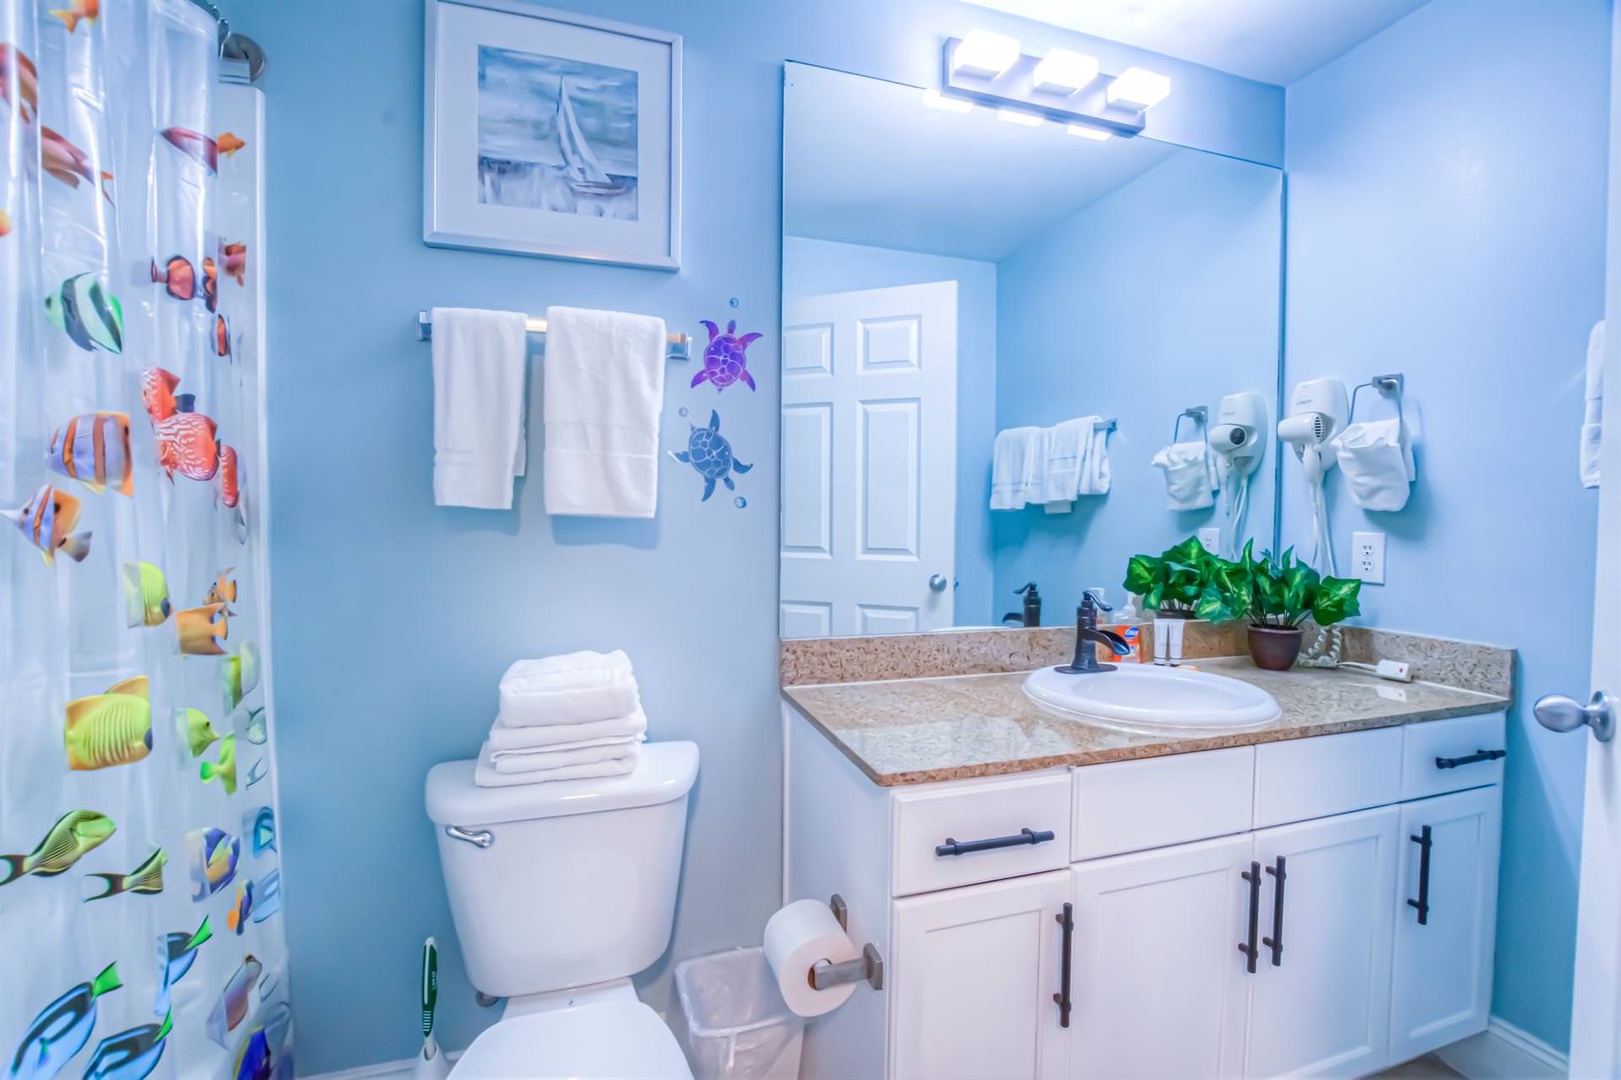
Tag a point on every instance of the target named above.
point(680, 346)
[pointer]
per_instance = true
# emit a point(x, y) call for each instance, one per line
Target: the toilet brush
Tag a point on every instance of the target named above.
point(430, 1063)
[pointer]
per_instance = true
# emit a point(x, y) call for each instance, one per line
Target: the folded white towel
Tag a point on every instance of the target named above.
point(604, 391)
point(535, 737)
point(559, 757)
point(576, 688)
point(1065, 446)
point(1076, 455)
point(479, 362)
point(1593, 408)
point(1189, 482)
point(1096, 472)
point(1018, 468)
point(485, 774)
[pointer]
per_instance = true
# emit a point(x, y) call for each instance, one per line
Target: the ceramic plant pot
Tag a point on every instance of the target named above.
point(1275, 649)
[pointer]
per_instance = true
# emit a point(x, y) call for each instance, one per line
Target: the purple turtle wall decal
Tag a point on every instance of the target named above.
point(726, 359)
point(711, 455)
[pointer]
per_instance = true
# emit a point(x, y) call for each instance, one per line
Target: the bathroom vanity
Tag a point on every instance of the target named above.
point(1052, 899)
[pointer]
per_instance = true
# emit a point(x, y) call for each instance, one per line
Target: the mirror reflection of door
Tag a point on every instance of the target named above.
point(1095, 287)
point(869, 403)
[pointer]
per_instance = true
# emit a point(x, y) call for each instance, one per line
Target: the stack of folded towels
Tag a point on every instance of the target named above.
point(564, 718)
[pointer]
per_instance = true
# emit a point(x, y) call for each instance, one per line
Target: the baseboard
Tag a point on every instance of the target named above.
point(1501, 1052)
point(387, 1070)
point(1505, 1052)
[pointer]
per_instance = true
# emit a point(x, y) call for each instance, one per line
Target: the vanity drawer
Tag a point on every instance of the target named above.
point(1135, 805)
point(1456, 743)
point(1327, 774)
point(971, 815)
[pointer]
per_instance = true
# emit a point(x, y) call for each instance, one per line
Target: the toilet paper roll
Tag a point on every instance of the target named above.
point(797, 938)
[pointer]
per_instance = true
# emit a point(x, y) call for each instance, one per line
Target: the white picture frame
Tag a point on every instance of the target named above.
point(551, 134)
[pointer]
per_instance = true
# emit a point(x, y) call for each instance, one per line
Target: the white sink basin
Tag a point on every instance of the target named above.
point(1153, 700)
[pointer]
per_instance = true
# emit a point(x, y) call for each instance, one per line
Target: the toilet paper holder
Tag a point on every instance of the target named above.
point(869, 966)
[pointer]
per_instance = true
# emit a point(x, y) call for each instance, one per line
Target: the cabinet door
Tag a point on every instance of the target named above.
point(1320, 1000)
point(975, 972)
point(1159, 983)
point(1442, 986)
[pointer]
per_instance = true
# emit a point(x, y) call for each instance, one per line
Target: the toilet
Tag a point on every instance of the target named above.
point(561, 892)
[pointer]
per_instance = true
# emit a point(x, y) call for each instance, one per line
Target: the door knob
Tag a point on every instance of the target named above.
point(1557, 712)
point(938, 583)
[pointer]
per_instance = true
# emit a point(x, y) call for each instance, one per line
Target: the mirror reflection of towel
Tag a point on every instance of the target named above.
point(1189, 483)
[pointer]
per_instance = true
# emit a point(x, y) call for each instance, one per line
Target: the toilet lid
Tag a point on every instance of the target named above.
point(624, 1039)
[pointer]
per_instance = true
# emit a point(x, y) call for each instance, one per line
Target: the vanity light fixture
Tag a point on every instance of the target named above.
point(934, 99)
point(1064, 71)
point(1063, 86)
point(1017, 116)
point(984, 54)
point(1136, 88)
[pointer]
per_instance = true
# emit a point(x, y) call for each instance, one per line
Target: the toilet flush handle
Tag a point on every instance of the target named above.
point(480, 839)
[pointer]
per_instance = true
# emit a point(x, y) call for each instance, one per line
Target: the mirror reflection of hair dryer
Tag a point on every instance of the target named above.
point(1237, 442)
point(1319, 409)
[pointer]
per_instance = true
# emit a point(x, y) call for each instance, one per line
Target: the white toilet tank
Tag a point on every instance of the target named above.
point(563, 884)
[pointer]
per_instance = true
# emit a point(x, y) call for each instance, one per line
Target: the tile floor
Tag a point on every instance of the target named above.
point(1428, 1067)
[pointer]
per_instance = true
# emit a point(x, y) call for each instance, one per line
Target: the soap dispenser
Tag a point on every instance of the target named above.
point(1032, 606)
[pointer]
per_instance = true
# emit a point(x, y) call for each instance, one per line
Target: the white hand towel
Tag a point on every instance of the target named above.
point(1018, 468)
point(1593, 414)
point(604, 390)
point(535, 737)
point(1096, 472)
point(1065, 446)
point(484, 774)
point(1377, 464)
point(576, 688)
point(529, 761)
point(1188, 478)
point(479, 361)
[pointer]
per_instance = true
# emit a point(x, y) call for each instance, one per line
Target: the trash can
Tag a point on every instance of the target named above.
point(737, 1026)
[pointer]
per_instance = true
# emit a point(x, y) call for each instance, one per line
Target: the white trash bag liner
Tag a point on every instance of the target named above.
point(737, 1026)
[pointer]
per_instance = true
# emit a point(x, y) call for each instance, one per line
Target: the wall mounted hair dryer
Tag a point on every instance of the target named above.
point(1237, 438)
point(1319, 409)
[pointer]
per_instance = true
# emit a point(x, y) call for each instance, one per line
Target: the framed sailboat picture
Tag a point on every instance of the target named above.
point(553, 134)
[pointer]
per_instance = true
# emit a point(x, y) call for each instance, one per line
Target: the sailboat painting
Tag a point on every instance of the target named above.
point(556, 135)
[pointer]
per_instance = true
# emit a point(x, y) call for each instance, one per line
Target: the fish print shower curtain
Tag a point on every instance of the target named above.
point(139, 876)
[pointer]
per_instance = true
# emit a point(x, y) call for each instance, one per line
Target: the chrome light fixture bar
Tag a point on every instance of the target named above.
point(1063, 86)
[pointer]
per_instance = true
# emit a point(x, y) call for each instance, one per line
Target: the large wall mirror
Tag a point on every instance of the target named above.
point(952, 277)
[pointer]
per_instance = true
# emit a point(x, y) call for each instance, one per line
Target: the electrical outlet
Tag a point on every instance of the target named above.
point(1368, 557)
point(1211, 539)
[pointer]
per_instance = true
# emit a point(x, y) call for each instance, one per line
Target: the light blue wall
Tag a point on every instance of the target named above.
point(814, 267)
point(394, 619)
point(1447, 222)
point(1162, 295)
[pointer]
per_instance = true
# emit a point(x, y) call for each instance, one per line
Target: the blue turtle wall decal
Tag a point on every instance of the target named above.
point(711, 455)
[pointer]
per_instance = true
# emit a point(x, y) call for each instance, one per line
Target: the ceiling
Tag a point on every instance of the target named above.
point(1272, 41)
point(867, 162)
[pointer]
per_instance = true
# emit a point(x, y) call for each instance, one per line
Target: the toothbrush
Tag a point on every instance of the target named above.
point(430, 1064)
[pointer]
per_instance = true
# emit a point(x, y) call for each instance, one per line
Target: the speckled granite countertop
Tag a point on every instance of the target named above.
point(918, 731)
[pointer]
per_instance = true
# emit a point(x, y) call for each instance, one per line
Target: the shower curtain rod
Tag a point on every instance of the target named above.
point(233, 46)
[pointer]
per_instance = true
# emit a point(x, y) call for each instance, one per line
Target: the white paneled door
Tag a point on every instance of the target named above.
point(869, 435)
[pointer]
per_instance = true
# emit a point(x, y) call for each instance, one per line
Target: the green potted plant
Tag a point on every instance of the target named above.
point(1185, 582)
point(1277, 596)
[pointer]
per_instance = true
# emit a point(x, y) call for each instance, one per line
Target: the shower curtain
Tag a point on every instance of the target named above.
point(140, 890)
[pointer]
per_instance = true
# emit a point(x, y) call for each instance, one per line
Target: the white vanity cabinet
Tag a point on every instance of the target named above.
point(1359, 870)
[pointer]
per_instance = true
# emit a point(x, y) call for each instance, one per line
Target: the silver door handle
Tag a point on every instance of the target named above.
point(938, 583)
point(1557, 712)
point(481, 839)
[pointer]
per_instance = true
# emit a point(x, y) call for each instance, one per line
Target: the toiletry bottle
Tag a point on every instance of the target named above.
point(1126, 623)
